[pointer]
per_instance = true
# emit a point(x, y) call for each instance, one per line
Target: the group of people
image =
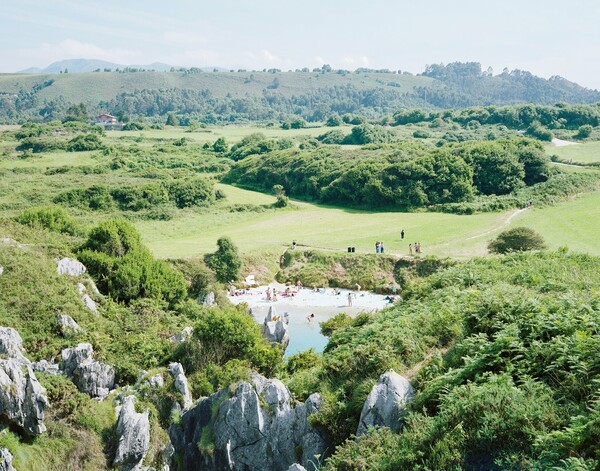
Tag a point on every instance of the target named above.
point(416, 248)
point(378, 247)
point(529, 203)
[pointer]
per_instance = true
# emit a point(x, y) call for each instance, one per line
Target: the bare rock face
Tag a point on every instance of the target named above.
point(45, 366)
point(89, 303)
point(255, 427)
point(133, 430)
point(11, 345)
point(22, 398)
point(6, 460)
point(181, 384)
point(90, 376)
point(274, 329)
point(68, 266)
point(296, 467)
point(67, 324)
point(385, 403)
point(182, 336)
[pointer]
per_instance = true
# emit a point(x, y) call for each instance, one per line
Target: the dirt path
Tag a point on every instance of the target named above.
point(504, 221)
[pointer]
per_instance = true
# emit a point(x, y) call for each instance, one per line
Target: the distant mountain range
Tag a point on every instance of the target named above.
point(91, 65)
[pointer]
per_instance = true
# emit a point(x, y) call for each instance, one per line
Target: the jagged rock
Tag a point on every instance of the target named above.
point(209, 300)
point(385, 403)
point(156, 381)
point(296, 467)
point(11, 344)
point(22, 398)
point(274, 329)
point(81, 288)
point(89, 303)
point(44, 366)
point(166, 455)
point(181, 383)
point(254, 428)
point(90, 376)
point(182, 336)
point(67, 324)
point(133, 430)
point(6, 460)
point(68, 266)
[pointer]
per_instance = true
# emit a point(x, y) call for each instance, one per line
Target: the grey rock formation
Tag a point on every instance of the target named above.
point(253, 428)
point(209, 300)
point(274, 329)
point(133, 430)
point(296, 467)
point(90, 376)
point(156, 381)
point(45, 366)
point(81, 288)
point(181, 383)
point(385, 403)
point(182, 336)
point(22, 398)
point(67, 324)
point(12, 242)
point(11, 345)
point(1, 270)
point(6, 460)
point(68, 266)
point(89, 303)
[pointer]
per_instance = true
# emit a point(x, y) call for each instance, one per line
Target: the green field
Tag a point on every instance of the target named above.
point(232, 134)
point(585, 152)
point(574, 223)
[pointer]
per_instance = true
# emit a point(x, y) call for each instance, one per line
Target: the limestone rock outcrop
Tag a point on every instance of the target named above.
point(6, 459)
point(11, 345)
point(182, 336)
point(22, 398)
point(90, 376)
point(274, 329)
point(296, 467)
point(133, 430)
point(255, 427)
point(68, 266)
point(67, 324)
point(181, 383)
point(385, 403)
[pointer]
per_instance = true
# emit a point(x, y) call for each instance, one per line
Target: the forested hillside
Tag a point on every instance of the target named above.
point(275, 95)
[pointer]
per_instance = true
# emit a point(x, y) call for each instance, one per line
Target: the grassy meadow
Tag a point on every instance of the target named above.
point(257, 228)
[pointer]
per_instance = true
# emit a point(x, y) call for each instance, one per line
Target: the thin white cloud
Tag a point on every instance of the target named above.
point(72, 49)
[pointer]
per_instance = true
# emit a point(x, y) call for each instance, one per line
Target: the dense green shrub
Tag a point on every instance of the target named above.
point(226, 261)
point(137, 198)
point(518, 239)
point(192, 192)
point(125, 269)
point(96, 197)
point(84, 142)
point(222, 335)
point(52, 218)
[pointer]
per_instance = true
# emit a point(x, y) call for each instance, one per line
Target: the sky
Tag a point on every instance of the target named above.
point(545, 37)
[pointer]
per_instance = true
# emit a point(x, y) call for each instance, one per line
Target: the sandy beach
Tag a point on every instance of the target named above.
point(324, 304)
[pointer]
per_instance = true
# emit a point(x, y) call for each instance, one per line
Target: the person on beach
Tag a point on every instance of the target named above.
point(350, 299)
point(358, 287)
point(310, 317)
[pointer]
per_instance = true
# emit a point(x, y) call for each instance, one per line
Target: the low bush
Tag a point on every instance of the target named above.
point(518, 239)
point(52, 218)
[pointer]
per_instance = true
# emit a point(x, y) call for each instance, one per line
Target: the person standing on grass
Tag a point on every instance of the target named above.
point(380, 247)
point(410, 249)
point(402, 234)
